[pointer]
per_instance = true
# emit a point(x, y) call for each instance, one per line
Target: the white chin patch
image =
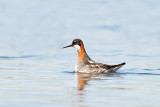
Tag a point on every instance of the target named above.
point(77, 47)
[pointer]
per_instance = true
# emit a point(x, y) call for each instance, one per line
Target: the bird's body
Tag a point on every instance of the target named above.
point(86, 65)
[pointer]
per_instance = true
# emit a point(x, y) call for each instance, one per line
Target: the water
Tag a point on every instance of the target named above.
point(36, 72)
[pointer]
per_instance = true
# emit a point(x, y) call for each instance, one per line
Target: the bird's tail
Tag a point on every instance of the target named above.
point(116, 67)
point(121, 64)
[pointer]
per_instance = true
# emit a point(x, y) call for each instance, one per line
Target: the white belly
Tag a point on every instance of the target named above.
point(76, 68)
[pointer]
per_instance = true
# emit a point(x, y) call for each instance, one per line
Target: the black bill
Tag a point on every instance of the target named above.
point(67, 46)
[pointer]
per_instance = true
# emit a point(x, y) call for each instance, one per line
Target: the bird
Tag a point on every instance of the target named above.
point(86, 65)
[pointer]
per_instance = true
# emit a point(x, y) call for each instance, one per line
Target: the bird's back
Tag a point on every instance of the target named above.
point(93, 67)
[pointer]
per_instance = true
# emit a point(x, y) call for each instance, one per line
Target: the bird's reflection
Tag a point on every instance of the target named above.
point(82, 82)
point(83, 78)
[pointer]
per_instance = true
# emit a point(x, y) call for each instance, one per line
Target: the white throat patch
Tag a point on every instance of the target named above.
point(77, 47)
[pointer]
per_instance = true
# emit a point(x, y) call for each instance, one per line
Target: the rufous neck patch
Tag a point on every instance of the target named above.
point(81, 52)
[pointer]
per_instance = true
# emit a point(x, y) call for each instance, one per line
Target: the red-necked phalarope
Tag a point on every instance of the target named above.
point(86, 65)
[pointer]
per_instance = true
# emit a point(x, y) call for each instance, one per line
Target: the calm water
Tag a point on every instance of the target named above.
point(36, 72)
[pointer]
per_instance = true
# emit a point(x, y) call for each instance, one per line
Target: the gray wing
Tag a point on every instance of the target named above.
point(103, 68)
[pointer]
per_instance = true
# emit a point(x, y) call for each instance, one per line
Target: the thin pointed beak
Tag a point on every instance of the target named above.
point(67, 46)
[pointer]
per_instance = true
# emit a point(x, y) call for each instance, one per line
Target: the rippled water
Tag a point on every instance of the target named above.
point(35, 71)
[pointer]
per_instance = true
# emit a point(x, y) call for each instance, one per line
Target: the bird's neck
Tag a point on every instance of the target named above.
point(81, 53)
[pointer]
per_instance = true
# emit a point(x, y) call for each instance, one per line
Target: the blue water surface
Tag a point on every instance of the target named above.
point(36, 72)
